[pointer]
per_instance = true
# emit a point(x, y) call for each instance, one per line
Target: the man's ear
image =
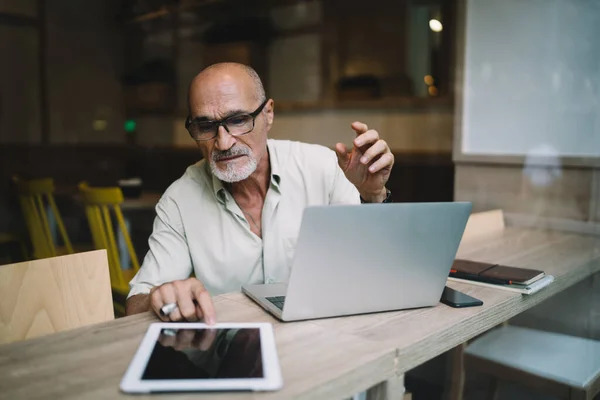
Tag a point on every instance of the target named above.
point(270, 111)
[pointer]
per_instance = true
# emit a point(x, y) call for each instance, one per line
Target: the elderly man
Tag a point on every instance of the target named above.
point(233, 218)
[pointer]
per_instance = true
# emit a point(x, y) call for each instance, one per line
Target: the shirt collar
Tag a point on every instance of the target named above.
point(274, 160)
point(219, 188)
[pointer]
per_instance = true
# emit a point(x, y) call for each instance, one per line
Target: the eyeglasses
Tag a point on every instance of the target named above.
point(235, 125)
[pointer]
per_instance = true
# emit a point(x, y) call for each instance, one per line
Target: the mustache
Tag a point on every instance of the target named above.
point(234, 151)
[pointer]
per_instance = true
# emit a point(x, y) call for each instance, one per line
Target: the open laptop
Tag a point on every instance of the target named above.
point(355, 259)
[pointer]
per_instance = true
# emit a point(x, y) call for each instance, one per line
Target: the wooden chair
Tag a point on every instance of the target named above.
point(560, 365)
point(35, 196)
point(99, 202)
point(50, 295)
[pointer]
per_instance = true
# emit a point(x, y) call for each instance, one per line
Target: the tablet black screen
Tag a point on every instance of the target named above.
point(206, 354)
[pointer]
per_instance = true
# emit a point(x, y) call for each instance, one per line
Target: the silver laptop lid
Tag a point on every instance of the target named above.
point(353, 259)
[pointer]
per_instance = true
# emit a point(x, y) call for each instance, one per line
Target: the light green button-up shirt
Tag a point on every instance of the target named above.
point(199, 227)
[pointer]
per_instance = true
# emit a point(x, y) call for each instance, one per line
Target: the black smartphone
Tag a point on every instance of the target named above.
point(457, 299)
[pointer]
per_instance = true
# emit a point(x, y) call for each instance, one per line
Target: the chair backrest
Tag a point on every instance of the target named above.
point(99, 202)
point(484, 224)
point(54, 294)
point(35, 196)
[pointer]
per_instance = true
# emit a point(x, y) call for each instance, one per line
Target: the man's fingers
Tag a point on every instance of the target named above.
point(359, 127)
point(205, 304)
point(166, 295)
point(380, 147)
point(342, 155)
point(385, 161)
point(369, 137)
point(341, 149)
point(185, 300)
point(192, 300)
point(156, 303)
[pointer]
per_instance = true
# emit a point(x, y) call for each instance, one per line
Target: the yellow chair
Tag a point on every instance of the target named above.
point(34, 197)
point(98, 205)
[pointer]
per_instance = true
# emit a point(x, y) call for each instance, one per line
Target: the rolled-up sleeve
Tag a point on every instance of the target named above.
point(168, 258)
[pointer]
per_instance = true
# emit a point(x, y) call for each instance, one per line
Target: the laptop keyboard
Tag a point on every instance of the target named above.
point(277, 301)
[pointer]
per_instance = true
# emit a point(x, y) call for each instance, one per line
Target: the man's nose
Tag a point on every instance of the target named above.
point(224, 140)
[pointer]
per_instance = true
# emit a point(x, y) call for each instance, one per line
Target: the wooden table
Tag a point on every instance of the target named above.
point(320, 359)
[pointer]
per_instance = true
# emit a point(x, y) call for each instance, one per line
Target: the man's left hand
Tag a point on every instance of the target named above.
point(368, 165)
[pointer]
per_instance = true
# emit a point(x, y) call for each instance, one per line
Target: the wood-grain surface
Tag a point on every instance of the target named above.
point(54, 294)
point(320, 359)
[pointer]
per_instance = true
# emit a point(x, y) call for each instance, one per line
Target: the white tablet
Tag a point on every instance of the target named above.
point(199, 357)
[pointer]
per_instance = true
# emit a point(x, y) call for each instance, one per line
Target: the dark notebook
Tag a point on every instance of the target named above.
point(522, 276)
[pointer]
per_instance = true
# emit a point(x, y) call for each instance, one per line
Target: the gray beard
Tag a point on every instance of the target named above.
point(233, 173)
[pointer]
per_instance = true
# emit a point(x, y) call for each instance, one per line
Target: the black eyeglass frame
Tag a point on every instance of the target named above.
point(223, 122)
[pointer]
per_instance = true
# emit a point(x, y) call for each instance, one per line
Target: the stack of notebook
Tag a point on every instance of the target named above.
point(522, 280)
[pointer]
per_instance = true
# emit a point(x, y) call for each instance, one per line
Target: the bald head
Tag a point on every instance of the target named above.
point(222, 76)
